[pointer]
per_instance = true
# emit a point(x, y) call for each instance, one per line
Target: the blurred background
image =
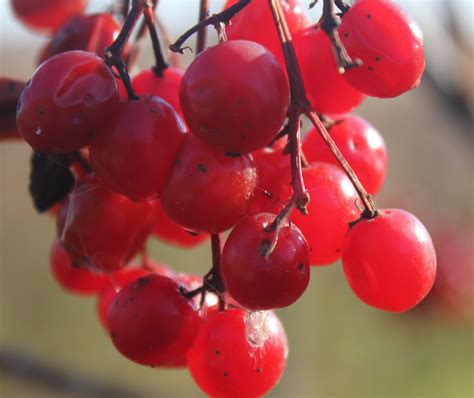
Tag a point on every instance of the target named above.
point(52, 345)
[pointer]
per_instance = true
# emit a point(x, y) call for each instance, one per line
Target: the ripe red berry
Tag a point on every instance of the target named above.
point(101, 228)
point(274, 179)
point(389, 43)
point(255, 23)
point(151, 323)
point(166, 86)
point(170, 232)
point(134, 152)
point(75, 279)
point(361, 145)
point(390, 261)
point(260, 283)
point(68, 99)
point(326, 88)
point(47, 15)
point(91, 33)
point(115, 281)
point(235, 96)
point(208, 191)
point(238, 354)
point(331, 209)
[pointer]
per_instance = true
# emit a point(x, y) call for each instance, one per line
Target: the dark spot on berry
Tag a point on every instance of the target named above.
point(193, 233)
point(201, 168)
point(346, 34)
point(190, 175)
point(131, 299)
point(338, 250)
point(370, 68)
point(377, 59)
point(153, 110)
point(114, 335)
point(143, 281)
point(369, 16)
point(218, 352)
point(233, 155)
point(88, 97)
point(259, 370)
point(226, 374)
point(41, 112)
point(152, 366)
point(177, 162)
point(300, 266)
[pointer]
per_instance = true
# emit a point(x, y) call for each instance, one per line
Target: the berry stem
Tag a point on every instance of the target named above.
point(113, 53)
point(330, 22)
point(124, 9)
point(222, 17)
point(343, 7)
point(202, 33)
point(161, 65)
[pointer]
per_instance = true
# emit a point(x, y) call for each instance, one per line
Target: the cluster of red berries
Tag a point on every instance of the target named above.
point(205, 151)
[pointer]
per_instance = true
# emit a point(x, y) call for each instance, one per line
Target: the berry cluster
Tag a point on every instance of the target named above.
point(188, 154)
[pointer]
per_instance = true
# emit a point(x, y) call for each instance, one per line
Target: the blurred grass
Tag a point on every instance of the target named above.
point(339, 347)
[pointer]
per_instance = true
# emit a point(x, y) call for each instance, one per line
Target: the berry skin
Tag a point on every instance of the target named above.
point(238, 354)
point(235, 96)
point(258, 283)
point(274, 179)
point(118, 279)
point(208, 191)
point(68, 99)
point(360, 144)
point(166, 86)
point(170, 232)
point(47, 15)
point(389, 261)
point(331, 209)
point(101, 228)
point(390, 45)
point(151, 323)
point(327, 90)
point(255, 23)
point(133, 154)
point(78, 280)
point(91, 33)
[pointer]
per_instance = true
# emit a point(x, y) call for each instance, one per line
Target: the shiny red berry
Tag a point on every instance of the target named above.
point(235, 96)
point(151, 323)
point(134, 152)
point(390, 261)
point(69, 98)
point(238, 354)
point(75, 279)
point(326, 88)
point(47, 15)
point(101, 228)
point(360, 144)
point(258, 282)
point(91, 33)
point(390, 45)
point(331, 209)
point(208, 191)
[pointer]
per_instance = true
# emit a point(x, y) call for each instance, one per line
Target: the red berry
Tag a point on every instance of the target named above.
point(260, 283)
point(166, 86)
point(326, 88)
point(274, 179)
point(255, 23)
point(390, 45)
point(47, 15)
point(75, 279)
point(118, 279)
point(66, 102)
point(361, 145)
point(238, 354)
point(170, 232)
point(91, 33)
point(101, 228)
point(151, 323)
point(208, 191)
point(332, 208)
point(235, 96)
point(390, 261)
point(135, 151)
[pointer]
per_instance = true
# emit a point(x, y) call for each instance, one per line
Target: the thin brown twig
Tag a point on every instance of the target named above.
point(202, 33)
